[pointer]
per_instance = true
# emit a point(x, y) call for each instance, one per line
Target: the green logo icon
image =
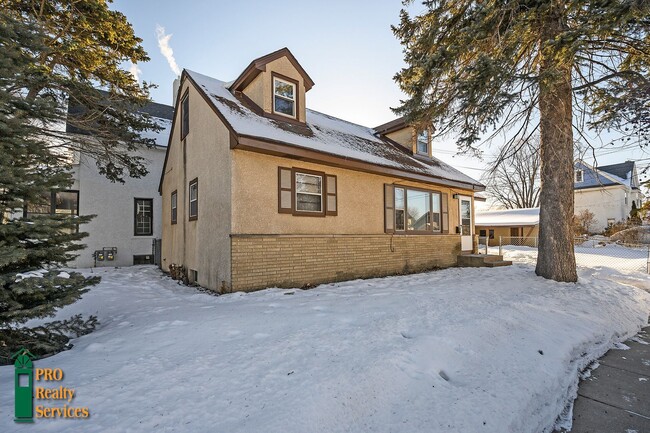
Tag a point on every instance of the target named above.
point(24, 383)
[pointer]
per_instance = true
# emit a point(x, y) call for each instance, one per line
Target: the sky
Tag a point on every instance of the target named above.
point(347, 47)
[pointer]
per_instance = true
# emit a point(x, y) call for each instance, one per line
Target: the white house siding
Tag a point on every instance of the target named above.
point(113, 203)
point(605, 203)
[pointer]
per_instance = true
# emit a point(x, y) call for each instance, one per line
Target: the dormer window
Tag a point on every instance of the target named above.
point(284, 97)
point(423, 141)
point(579, 176)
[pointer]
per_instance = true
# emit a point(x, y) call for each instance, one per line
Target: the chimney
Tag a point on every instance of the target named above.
point(176, 87)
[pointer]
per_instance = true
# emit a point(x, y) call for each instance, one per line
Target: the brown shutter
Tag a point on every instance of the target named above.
point(445, 213)
point(285, 190)
point(389, 208)
point(331, 200)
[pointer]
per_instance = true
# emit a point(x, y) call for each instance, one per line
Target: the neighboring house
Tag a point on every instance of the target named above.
point(128, 215)
point(259, 191)
point(607, 191)
point(509, 223)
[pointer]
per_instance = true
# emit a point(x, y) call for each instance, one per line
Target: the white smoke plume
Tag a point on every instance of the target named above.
point(135, 71)
point(166, 50)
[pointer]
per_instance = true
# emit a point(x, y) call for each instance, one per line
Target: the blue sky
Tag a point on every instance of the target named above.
point(347, 47)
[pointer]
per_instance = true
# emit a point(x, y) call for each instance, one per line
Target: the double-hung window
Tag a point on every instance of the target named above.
point(174, 206)
point(284, 97)
point(580, 176)
point(304, 192)
point(185, 116)
point(194, 200)
point(423, 142)
point(309, 192)
point(143, 224)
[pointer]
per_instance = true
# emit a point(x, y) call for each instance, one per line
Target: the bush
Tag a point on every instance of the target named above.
point(582, 222)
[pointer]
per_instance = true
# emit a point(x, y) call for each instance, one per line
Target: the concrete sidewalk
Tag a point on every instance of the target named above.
point(616, 398)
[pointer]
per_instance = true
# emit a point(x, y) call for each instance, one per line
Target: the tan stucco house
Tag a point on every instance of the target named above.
point(259, 191)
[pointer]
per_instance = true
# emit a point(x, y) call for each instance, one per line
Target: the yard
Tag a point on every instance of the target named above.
point(458, 350)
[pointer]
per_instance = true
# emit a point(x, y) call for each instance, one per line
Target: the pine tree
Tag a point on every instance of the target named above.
point(31, 249)
point(83, 45)
point(55, 54)
point(485, 69)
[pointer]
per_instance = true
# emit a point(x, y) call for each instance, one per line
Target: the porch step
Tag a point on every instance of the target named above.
point(498, 263)
point(482, 260)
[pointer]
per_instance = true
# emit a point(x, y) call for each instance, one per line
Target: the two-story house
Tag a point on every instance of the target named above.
point(127, 220)
point(259, 191)
point(607, 191)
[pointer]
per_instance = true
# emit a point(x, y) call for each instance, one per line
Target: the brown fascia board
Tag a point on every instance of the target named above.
point(259, 65)
point(281, 149)
point(392, 126)
point(277, 148)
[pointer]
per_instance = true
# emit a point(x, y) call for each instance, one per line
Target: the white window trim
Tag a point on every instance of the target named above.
point(196, 199)
point(275, 95)
point(417, 150)
point(295, 180)
point(582, 176)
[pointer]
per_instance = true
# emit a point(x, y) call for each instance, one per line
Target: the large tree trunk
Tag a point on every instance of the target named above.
point(556, 258)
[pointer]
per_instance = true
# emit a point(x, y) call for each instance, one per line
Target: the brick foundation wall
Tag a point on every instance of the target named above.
point(260, 261)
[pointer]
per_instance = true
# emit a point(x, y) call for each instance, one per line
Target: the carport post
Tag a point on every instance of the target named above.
point(500, 243)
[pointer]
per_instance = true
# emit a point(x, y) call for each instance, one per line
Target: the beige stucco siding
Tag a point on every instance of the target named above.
point(360, 199)
point(204, 244)
point(255, 90)
point(404, 136)
point(261, 90)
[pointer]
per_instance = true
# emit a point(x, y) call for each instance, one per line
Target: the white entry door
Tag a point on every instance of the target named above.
point(465, 222)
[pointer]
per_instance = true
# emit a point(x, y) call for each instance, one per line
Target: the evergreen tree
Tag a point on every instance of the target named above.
point(82, 47)
point(31, 249)
point(512, 67)
point(635, 217)
point(54, 54)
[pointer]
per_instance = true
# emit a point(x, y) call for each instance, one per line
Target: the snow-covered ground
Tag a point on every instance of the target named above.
point(589, 255)
point(458, 350)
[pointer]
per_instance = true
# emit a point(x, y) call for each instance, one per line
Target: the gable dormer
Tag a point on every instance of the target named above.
point(275, 86)
point(415, 139)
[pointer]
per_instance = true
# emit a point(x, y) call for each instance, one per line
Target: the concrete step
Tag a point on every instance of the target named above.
point(482, 260)
point(497, 263)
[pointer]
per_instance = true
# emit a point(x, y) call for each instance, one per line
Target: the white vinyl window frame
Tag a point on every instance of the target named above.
point(283, 97)
point(579, 176)
point(427, 140)
point(320, 194)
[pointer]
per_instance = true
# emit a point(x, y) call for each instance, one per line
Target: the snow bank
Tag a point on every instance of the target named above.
point(459, 350)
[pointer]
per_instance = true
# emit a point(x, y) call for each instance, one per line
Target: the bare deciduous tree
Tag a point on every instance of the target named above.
point(513, 179)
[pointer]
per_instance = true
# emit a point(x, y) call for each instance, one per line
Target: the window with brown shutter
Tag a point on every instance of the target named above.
point(410, 210)
point(303, 192)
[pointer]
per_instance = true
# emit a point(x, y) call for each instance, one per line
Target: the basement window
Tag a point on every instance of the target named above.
point(284, 97)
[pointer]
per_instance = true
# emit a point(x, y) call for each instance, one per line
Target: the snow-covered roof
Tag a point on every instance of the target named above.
point(508, 217)
point(322, 133)
point(161, 137)
point(593, 177)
